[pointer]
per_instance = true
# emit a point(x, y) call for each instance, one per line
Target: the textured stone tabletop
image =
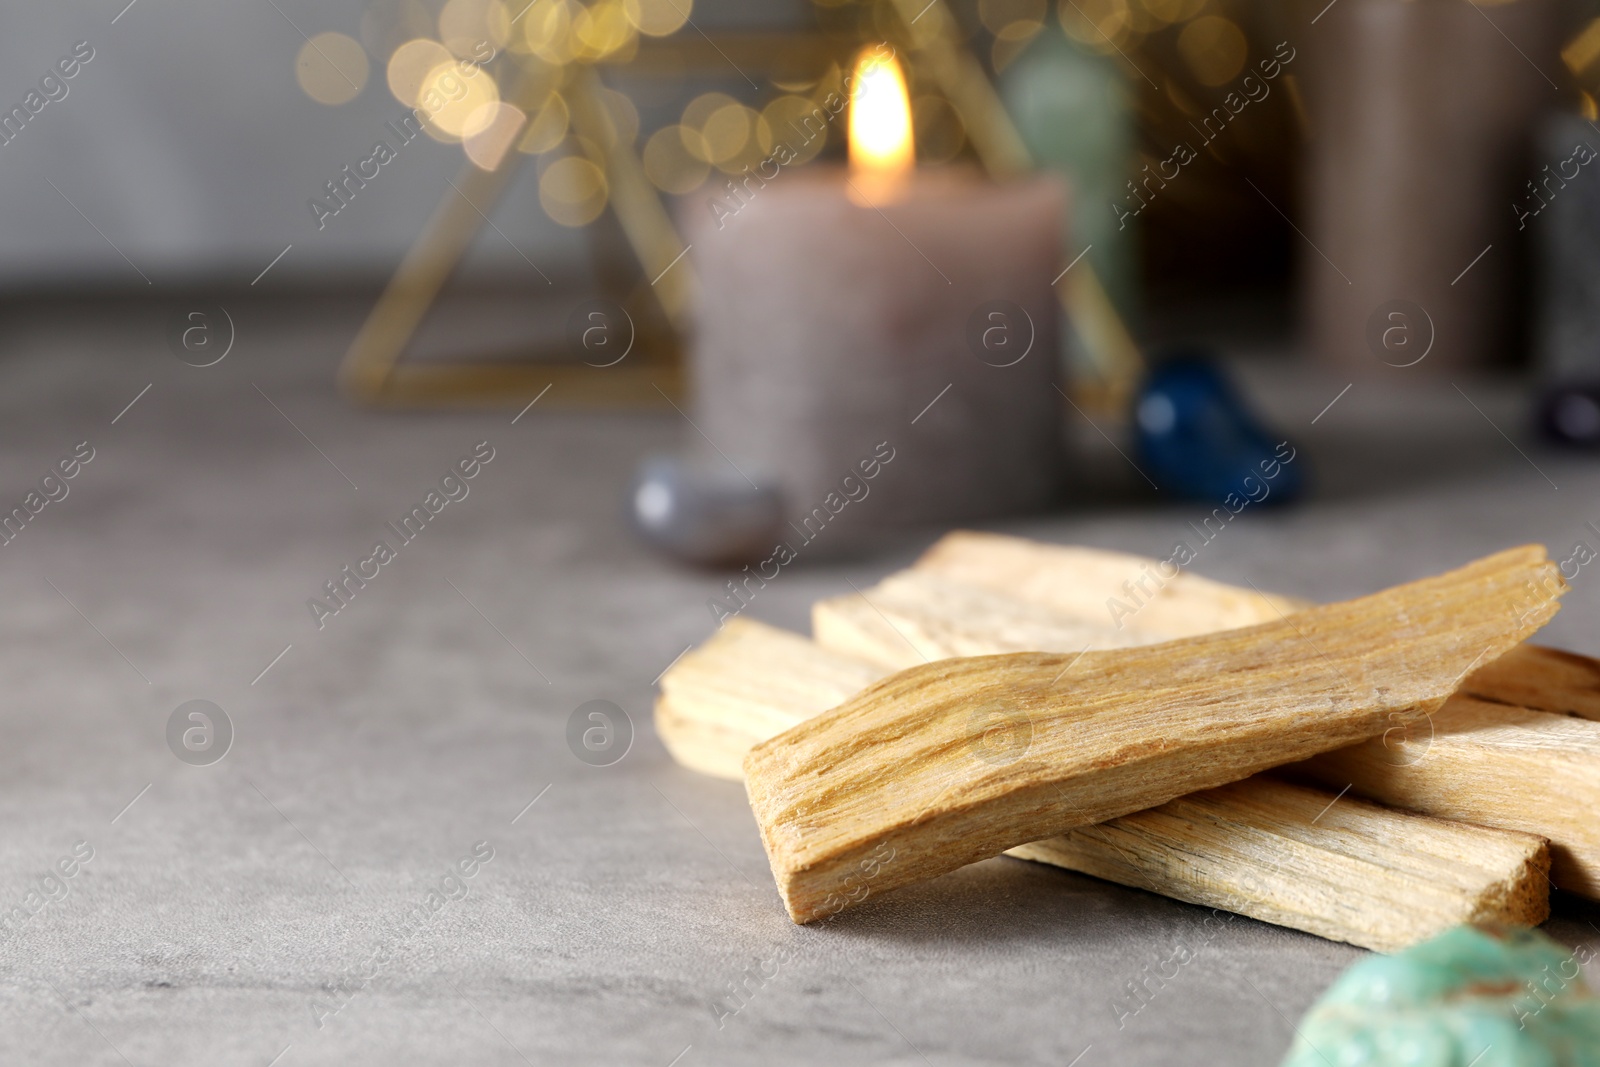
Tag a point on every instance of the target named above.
point(301, 900)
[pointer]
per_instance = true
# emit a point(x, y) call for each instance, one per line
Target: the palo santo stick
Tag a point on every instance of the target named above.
point(1285, 854)
point(747, 683)
point(913, 617)
point(1349, 871)
point(977, 593)
point(1474, 773)
point(1490, 764)
point(895, 785)
point(1075, 583)
point(1546, 679)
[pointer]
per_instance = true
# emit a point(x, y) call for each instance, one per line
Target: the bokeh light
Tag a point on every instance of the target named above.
point(601, 30)
point(785, 121)
point(1099, 24)
point(411, 65)
point(658, 18)
point(695, 116)
point(572, 191)
point(1215, 49)
point(454, 95)
point(547, 30)
point(669, 164)
point(727, 131)
point(1167, 12)
point(332, 68)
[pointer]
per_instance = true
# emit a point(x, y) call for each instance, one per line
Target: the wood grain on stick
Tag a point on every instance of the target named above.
point(900, 783)
point(1076, 582)
point(1546, 679)
point(1492, 764)
point(1303, 858)
point(1474, 774)
point(979, 593)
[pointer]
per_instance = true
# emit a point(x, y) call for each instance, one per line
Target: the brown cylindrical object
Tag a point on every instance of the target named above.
point(825, 328)
point(1420, 119)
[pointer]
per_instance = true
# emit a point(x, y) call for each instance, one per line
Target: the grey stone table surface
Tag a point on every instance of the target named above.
point(274, 907)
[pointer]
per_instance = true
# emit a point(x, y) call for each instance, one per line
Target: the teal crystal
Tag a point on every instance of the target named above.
point(1472, 997)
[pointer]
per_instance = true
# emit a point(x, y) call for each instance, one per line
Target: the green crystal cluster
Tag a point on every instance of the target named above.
point(1471, 997)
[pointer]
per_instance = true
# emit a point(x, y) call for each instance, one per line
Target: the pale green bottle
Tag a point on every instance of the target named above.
point(1074, 110)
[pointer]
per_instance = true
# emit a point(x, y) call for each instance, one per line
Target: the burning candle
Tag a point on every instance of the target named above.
point(885, 310)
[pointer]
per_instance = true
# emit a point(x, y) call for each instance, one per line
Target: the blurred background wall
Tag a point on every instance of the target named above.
point(187, 141)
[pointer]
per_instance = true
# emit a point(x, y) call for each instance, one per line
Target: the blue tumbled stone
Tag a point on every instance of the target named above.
point(1198, 439)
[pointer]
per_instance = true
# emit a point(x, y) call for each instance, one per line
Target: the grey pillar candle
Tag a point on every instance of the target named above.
point(829, 335)
point(1419, 117)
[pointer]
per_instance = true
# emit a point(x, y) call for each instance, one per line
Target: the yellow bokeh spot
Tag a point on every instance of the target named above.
point(1214, 48)
point(657, 18)
point(454, 96)
point(702, 107)
point(410, 66)
point(1100, 24)
point(572, 191)
point(727, 131)
point(497, 126)
point(1166, 12)
point(751, 153)
point(547, 128)
point(331, 68)
point(470, 27)
point(669, 164)
point(795, 122)
point(547, 30)
point(602, 30)
point(695, 116)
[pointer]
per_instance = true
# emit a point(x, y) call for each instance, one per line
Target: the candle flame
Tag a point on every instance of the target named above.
point(881, 150)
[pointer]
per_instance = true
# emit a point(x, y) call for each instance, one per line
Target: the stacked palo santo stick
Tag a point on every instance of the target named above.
point(1097, 712)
